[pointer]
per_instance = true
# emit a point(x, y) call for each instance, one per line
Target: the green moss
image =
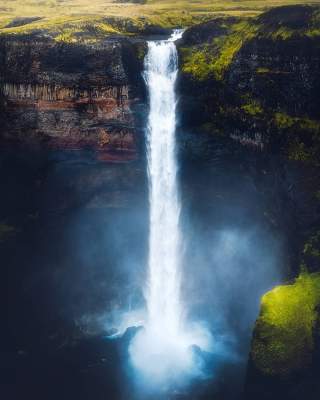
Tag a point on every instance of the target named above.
point(313, 32)
point(309, 124)
point(283, 342)
point(302, 137)
point(213, 59)
point(197, 62)
point(262, 70)
point(284, 121)
point(253, 108)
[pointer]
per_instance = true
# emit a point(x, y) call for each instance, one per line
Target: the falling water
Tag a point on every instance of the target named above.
point(163, 292)
point(163, 348)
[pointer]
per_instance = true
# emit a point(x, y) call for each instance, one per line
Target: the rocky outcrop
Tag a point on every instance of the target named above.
point(255, 80)
point(73, 95)
point(284, 360)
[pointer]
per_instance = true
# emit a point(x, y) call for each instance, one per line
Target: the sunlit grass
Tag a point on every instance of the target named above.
point(166, 13)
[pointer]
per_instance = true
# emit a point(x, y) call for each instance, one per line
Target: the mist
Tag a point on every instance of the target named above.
point(230, 258)
point(90, 267)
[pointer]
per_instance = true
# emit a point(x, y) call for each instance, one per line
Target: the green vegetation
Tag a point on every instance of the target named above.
point(253, 108)
point(262, 70)
point(284, 121)
point(214, 58)
point(229, 45)
point(70, 20)
point(91, 28)
point(301, 132)
point(284, 336)
point(71, 29)
point(211, 59)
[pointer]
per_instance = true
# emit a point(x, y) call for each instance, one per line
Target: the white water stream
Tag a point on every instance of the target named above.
point(163, 348)
point(163, 291)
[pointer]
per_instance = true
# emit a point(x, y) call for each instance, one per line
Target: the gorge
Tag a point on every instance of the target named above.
point(233, 137)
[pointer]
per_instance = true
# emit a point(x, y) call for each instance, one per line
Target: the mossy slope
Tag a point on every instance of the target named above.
point(256, 80)
point(214, 57)
point(284, 341)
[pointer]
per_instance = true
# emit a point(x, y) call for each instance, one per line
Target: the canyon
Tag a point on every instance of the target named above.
point(247, 87)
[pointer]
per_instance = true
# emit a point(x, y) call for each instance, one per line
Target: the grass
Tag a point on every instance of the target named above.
point(68, 18)
point(284, 338)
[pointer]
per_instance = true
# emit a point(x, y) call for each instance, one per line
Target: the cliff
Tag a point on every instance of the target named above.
point(71, 94)
point(256, 80)
point(284, 360)
point(250, 82)
point(255, 83)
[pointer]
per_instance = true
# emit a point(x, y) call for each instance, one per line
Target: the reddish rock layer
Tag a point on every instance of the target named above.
point(72, 96)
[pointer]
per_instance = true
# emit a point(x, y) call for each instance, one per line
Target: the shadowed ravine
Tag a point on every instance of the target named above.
point(154, 194)
point(96, 252)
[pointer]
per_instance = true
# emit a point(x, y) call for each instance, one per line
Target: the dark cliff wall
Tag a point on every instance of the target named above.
point(252, 83)
point(72, 94)
point(255, 80)
point(256, 83)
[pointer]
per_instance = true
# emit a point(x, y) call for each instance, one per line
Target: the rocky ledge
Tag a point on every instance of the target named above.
point(73, 95)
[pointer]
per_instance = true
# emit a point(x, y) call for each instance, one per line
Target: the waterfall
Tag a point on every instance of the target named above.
point(162, 351)
point(163, 291)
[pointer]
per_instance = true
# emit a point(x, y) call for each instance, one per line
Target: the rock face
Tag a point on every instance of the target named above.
point(251, 83)
point(72, 95)
point(255, 80)
point(284, 360)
